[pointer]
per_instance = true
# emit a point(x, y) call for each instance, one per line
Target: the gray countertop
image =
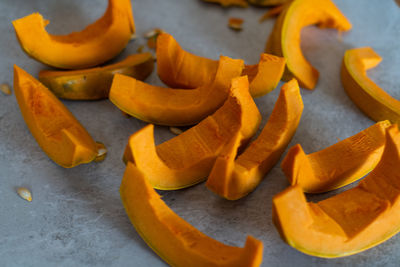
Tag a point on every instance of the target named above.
point(76, 217)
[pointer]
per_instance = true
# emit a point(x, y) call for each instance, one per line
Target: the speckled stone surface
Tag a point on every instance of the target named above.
point(76, 217)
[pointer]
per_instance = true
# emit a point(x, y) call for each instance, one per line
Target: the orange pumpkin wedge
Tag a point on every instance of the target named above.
point(180, 69)
point(174, 107)
point(97, 43)
point(285, 38)
point(187, 159)
point(172, 238)
point(233, 179)
point(95, 83)
point(53, 126)
point(337, 165)
point(369, 97)
point(350, 222)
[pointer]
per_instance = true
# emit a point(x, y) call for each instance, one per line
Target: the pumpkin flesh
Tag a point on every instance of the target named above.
point(285, 38)
point(349, 222)
point(95, 83)
point(97, 43)
point(233, 179)
point(174, 107)
point(187, 159)
point(53, 126)
point(172, 238)
point(337, 165)
point(368, 96)
point(180, 69)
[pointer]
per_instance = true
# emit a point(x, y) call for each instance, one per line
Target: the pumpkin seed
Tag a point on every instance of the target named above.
point(5, 88)
point(24, 193)
point(101, 152)
point(175, 130)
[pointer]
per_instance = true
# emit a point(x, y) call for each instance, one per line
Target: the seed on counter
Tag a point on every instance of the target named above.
point(235, 24)
point(5, 88)
point(24, 193)
point(101, 152)
point(175, 130)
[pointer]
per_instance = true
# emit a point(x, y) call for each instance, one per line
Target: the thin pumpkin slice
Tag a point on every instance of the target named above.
point(172, 238)
point(97, 43)
point(174, 107)
point(180, 69)
point(337, 165)
point(369, 97)
point(350, 222)
point(285, 38)
point(233, 179)
point(187, 159)
point(95, 83)
point(53, 126)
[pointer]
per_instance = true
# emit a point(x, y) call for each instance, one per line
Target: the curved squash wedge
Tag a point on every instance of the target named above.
point(95, 83)
point(55, 129)
point(172, 238)
point(180, 69)
point(349, 222)
point(97, 43)
point(369, 97)
point(233, 179)
point(187, 159)
point(337, 165)
point(174, 107)
point(285, 38)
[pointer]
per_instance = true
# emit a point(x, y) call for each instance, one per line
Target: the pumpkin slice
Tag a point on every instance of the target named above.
point(55, 129)
point(349, 222)
point(233, 179)
point(97, 43)
point(174, 107)
point(95, 83)
point(172, 238)
point(187, 159)
point(285, 37)
point(337, 165)
point(369, 97)
point(180, 69)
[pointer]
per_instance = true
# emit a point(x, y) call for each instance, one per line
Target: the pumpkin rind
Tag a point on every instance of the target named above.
point(350, 222)
point(172, 238)
point(337, 165)
point(285, 38)
point(174, 107)
point(53, 126)
point(233, 179)
point(369, 97)
point(95, 83)
point(97, 43)
point(180, 69)
point(187, 159)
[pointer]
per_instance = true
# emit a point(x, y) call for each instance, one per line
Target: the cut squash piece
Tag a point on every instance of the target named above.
point(337, 165)
point(180, 69)
point(55, 129)
point(233, 179)
point(349, 222)
point(95, 83)
point(97, 43)
point(187, 159)
point(174, 107)
point(285, 38)
point(369, 97)
point(172, 238)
